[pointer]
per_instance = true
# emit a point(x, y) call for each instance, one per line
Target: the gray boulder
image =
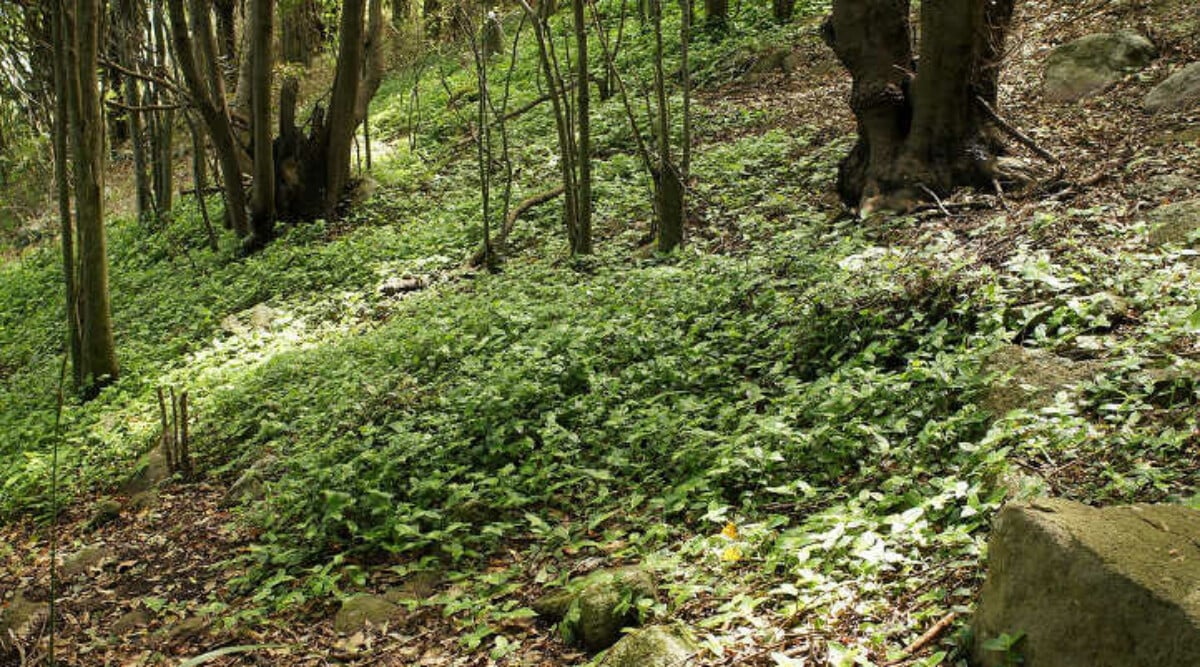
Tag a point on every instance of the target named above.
point(361, 610)
point(1079, 586)
point(1175, 224)
point(1179, 92)
point(1084, 67)
point(605, 602)
point(655, 646)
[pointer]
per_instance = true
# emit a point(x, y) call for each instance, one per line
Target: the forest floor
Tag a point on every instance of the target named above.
point(795, 423)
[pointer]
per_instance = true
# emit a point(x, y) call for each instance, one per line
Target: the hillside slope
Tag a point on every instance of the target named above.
point(802, 423)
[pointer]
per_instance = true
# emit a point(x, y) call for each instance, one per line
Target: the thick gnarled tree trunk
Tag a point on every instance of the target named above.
point(921, 128)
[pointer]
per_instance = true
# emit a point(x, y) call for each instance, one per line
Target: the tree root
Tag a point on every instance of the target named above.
point(509, 222)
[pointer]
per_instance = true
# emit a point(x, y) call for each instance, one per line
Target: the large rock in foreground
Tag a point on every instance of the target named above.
point(1089, 64)
point(1112, 587)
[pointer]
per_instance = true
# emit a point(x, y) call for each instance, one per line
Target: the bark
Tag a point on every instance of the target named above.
point(162, 124)
point(208, 95)
point(301, 31)
point(225, 13)
point(581, 239)
point(559, 99)
point(431, 13)
point(61, 140)
point(130, 41)
point(668, 187)
point(313, 171)
point(783, 10)
point(97, 362)
point(401, 13)
point(343, 104)
point(262, 204)
point(921, 131)
point(716, 14)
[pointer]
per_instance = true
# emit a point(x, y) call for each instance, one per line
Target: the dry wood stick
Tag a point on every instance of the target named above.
point(931, 635)
point(1017, 134)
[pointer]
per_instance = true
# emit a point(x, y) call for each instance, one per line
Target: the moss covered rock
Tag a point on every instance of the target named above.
point(1087, 65)
point(84, 560)
point(1088, 587)
point(1029, 378)
point(1178, 92)
point(1175, 224)
point(596, 608)
point(19, 618)
point(361, 610)
point(655, 646)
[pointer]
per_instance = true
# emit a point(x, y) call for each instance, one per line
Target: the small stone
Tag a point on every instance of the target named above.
point(655, 646)
point(149, 472)
point(395, 286)
point(262, 316)
point(105, 511)
point(19, 618)
point(85, 559)
point(187, 628)
point(1031, 379)
point(1084, 67)
point(418, 586)
point(130, 621)
point(599, 597)
point(1179, 92)
point(361, 610)
point(247, 488)
point(144, 500)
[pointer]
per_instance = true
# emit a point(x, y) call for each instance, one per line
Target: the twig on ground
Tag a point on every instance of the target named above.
point(1024, 139)
point(931, 635)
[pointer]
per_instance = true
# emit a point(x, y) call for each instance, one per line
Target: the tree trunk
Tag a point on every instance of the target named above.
point(301, 32)
point(162, 125)
point(262, 203)
point(98, 360)
point(716, 14)
point(208, 94)
point(61, 140)
point(312, 172)
point(343, 104)
point(130, 45)
point(783, 10)
point(581, 239)
point(431, 13)
point(225, 13)
point(921, 131)
point(401, 13)
point(668, 187)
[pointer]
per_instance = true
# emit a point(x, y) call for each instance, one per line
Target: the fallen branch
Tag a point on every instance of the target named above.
point(1022, 138)
point(511, 221)
point(931, 635)
point(523, 109)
